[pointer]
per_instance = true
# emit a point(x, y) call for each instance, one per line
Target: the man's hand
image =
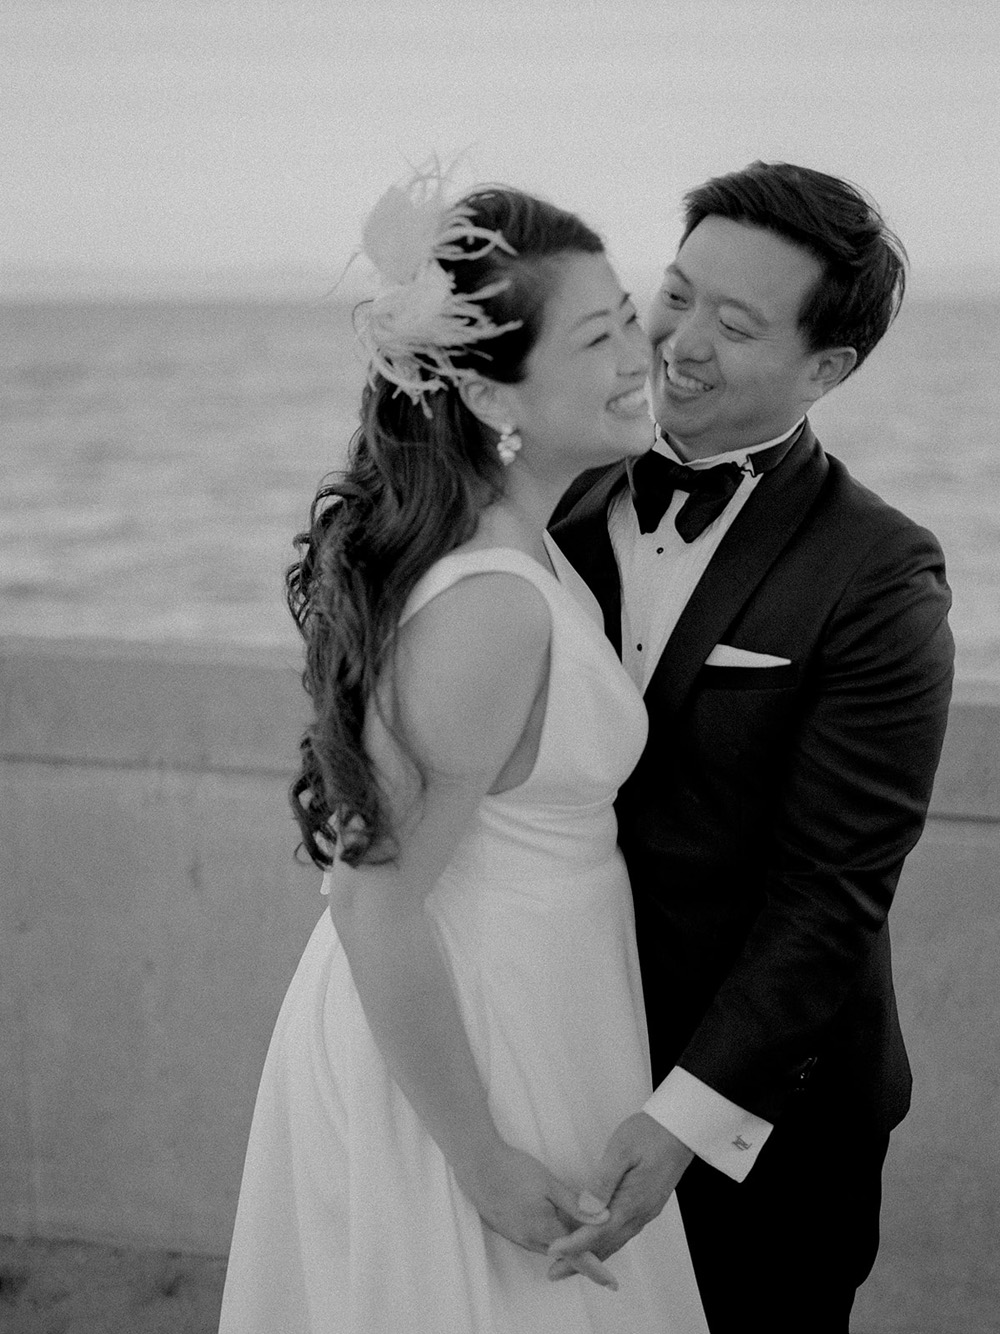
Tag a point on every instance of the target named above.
point(639, 1172)
point(518, 1197)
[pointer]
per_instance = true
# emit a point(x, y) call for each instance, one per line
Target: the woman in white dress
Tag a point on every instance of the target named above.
point(465, 1028)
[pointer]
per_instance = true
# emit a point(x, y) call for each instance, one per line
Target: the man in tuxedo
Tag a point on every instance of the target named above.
point(789, 632)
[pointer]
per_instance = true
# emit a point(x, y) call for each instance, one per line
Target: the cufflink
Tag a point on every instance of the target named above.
point(805, 1070)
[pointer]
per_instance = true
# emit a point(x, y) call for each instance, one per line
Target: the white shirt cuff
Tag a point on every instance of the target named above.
point(715, 1129)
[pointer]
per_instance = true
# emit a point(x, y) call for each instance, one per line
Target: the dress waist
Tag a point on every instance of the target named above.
point(554, 843)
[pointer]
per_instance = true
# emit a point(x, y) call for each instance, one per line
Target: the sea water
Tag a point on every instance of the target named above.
point(158, 458)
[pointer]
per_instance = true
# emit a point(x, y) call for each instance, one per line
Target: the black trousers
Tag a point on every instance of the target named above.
point(785, 1250)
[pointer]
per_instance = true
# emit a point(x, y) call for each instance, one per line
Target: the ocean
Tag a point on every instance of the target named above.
point(158, 458)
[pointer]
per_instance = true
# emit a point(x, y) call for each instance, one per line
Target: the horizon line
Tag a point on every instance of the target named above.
point(297, 282)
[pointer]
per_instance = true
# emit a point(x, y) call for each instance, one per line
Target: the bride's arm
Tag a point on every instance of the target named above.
point(470, 666)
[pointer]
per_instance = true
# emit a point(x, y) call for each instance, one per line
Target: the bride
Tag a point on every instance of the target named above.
point(465, 1027)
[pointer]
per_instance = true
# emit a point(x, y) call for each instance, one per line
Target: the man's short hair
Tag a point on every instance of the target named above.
point(860, 289)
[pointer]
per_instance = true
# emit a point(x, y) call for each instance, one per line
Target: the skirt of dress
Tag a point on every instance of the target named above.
point(350, 1220)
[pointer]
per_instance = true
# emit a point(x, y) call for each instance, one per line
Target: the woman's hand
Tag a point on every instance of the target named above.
point(518, 1197)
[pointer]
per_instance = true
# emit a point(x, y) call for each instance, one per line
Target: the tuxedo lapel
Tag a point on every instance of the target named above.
point(768, 521)
point(582, 536)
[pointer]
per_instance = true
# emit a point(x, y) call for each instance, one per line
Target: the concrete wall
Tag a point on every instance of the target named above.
point(151, 915)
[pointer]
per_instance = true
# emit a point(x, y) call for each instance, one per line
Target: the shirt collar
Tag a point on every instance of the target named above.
point(663, 446)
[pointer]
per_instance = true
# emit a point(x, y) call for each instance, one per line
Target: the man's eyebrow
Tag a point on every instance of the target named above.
point(757, 316)
point(596, 314)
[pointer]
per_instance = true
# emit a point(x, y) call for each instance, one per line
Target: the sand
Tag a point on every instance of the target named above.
point(69, 1287)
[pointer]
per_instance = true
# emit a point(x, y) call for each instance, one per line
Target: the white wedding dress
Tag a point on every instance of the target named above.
point(350, 1220)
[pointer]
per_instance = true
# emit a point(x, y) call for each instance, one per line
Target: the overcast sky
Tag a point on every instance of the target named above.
point(203, 135)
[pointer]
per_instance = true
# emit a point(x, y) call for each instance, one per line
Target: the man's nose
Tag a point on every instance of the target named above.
point(689, 338)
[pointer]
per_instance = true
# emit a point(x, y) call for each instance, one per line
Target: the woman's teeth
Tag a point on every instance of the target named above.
point(629, 405)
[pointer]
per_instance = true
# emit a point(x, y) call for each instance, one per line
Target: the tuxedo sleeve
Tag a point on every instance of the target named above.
point(852, 801)
point(723, 1135)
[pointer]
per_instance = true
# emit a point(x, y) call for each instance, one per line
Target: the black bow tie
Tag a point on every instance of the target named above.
point(653, 479)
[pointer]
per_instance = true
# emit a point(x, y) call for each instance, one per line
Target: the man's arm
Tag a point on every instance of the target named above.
point(852, 806)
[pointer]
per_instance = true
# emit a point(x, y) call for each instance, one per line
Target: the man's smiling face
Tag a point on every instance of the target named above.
point(730, 366)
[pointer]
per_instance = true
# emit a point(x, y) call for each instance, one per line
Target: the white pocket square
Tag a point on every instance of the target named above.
point(724, 655)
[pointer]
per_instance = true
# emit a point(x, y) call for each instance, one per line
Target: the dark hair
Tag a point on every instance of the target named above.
point(412, 490)
point(860, 288)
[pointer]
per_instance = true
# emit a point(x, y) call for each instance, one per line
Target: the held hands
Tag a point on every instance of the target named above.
point(639, 1172)
point(518, 1197)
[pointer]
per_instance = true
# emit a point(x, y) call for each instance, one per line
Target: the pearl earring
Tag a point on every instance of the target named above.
point(508, 445)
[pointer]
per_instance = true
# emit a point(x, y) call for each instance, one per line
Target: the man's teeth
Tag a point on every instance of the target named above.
point(684, 381)
point(633, 401)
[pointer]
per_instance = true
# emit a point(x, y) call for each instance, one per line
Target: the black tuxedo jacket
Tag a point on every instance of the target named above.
point(767, 821)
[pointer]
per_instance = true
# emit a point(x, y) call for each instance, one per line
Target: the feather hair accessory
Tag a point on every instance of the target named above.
point(414, 326)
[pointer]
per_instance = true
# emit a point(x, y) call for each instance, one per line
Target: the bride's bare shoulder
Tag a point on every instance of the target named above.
point(485, 618)
point(468, 666)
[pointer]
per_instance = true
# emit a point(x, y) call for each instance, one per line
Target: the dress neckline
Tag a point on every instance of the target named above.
point(550, 568)
point(558, 572)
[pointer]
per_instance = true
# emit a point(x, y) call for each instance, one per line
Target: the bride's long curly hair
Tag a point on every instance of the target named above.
point(412, 490)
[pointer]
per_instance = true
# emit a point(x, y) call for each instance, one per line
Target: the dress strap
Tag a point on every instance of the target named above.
point(457, 565)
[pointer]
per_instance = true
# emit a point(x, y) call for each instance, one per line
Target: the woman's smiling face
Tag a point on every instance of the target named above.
point(582, 401)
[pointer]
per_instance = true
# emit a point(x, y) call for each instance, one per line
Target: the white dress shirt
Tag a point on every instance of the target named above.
point(659, 572)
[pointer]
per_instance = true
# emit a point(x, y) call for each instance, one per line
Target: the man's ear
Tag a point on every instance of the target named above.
point(488, 400)
point(831, 366)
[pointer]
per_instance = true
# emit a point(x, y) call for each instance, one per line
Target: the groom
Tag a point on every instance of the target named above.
point(788, 630)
